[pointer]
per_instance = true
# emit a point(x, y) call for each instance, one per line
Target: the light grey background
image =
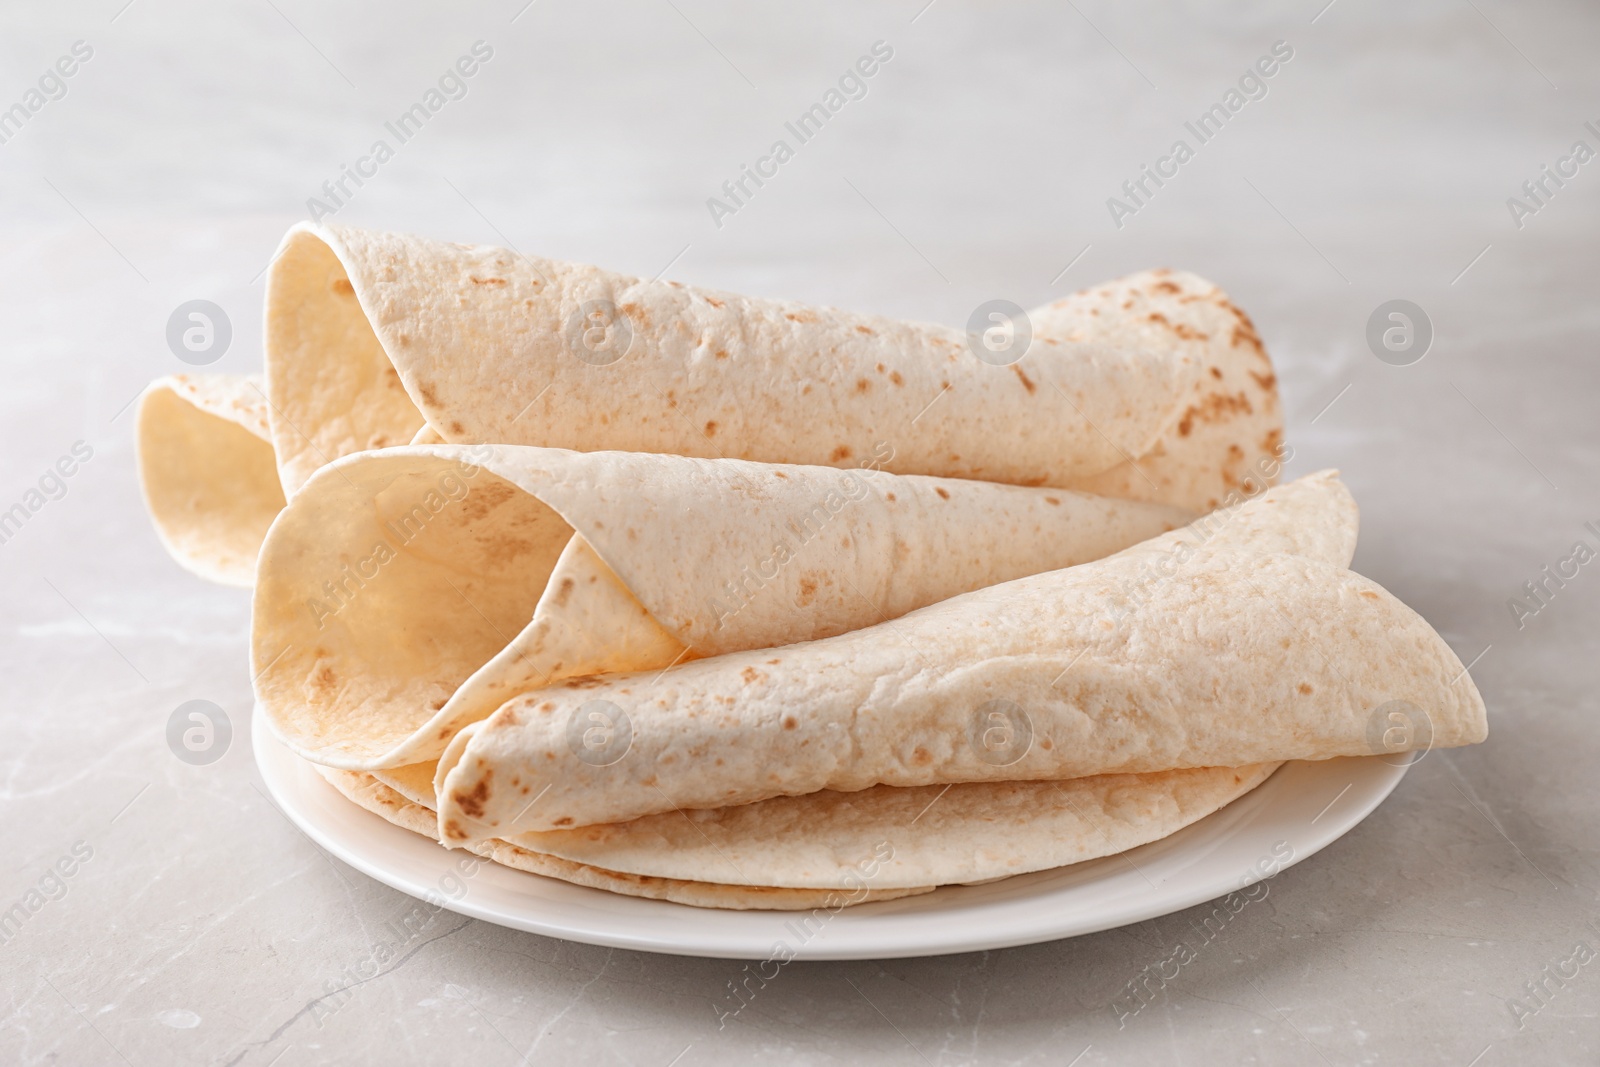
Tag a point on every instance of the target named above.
point(205, 927)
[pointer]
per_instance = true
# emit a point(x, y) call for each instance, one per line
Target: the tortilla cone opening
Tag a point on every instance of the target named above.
point(325, 362)
point(210, 485)
point(382, 592)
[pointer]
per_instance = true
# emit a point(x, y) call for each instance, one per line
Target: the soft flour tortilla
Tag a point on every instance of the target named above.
point(1230, 435)
point(208, 472)
point(1234, 651)
point(370, 335)
point(379, 799)
point(408, 592)
point(933, 835)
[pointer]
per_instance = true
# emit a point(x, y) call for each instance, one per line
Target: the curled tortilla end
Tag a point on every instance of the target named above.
point(208, 472)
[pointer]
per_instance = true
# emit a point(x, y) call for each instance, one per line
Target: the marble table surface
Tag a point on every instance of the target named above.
point(1385, 158)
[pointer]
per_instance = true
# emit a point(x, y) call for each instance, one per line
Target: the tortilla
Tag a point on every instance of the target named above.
point(369, 336)
point(408, 592)
point(1231, 429)
point(1238, 652)
point(208, 473)
point(934, 835)
point(379, 799)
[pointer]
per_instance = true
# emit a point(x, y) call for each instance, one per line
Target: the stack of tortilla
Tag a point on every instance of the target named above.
point(749, 604)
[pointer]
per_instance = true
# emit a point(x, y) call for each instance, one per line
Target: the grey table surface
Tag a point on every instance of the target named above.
point(1380, 164)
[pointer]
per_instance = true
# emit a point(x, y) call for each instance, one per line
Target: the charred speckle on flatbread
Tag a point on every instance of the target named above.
point(842, 452)
point(1215, 407)
point(1027, 382)
point(472, 803)
point(584, 681)
point(944, 494)
point(711, 427)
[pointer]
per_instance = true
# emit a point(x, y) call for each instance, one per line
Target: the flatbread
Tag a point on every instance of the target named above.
point(208, 472)
point(933, 835)
point(379, 799)
point(1238, 652)
point(408, 592)
point(370, 335)
point(1229, 439)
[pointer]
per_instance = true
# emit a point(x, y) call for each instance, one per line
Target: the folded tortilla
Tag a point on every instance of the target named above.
point(928, 836)
point(407, 592)
point(1239, 639)
point(208, 472)
point(383, 801)
point(371, 335)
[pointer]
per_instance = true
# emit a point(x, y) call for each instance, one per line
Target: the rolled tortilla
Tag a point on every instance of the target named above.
point(208, 472)
point(928, 836)
point(408, 592)
point(1239, 639)
point(370, 335)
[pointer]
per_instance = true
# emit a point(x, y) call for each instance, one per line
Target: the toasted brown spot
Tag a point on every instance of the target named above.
point(496, 282)
point(808, 590)
point(722, 353)
point(1053, 501)
point(751, 675)
point(921, 757)
point(1370, 595)
point(457, 428)
point(711, 428)
point(889, 496)
point(842, 452)
point(943, 493)
point(325, 678)
point(563, 591)
point(714, 302)
point(866, 330)
point(863, 385)
point(1271, 442)
point(1268, 381)
point(584, 681)
point(428, 395)
point(1167, 287)
point(342, 286)
point(894, 376)
point(565, 820)
point(1215, 407)
point(790, 722)
point(472, 803)
point(1027, 383)
point(773, 662)
point(1216, 372)
point(1305, 690)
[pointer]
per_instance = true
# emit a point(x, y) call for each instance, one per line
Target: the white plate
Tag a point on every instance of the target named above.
point(1303, 807)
